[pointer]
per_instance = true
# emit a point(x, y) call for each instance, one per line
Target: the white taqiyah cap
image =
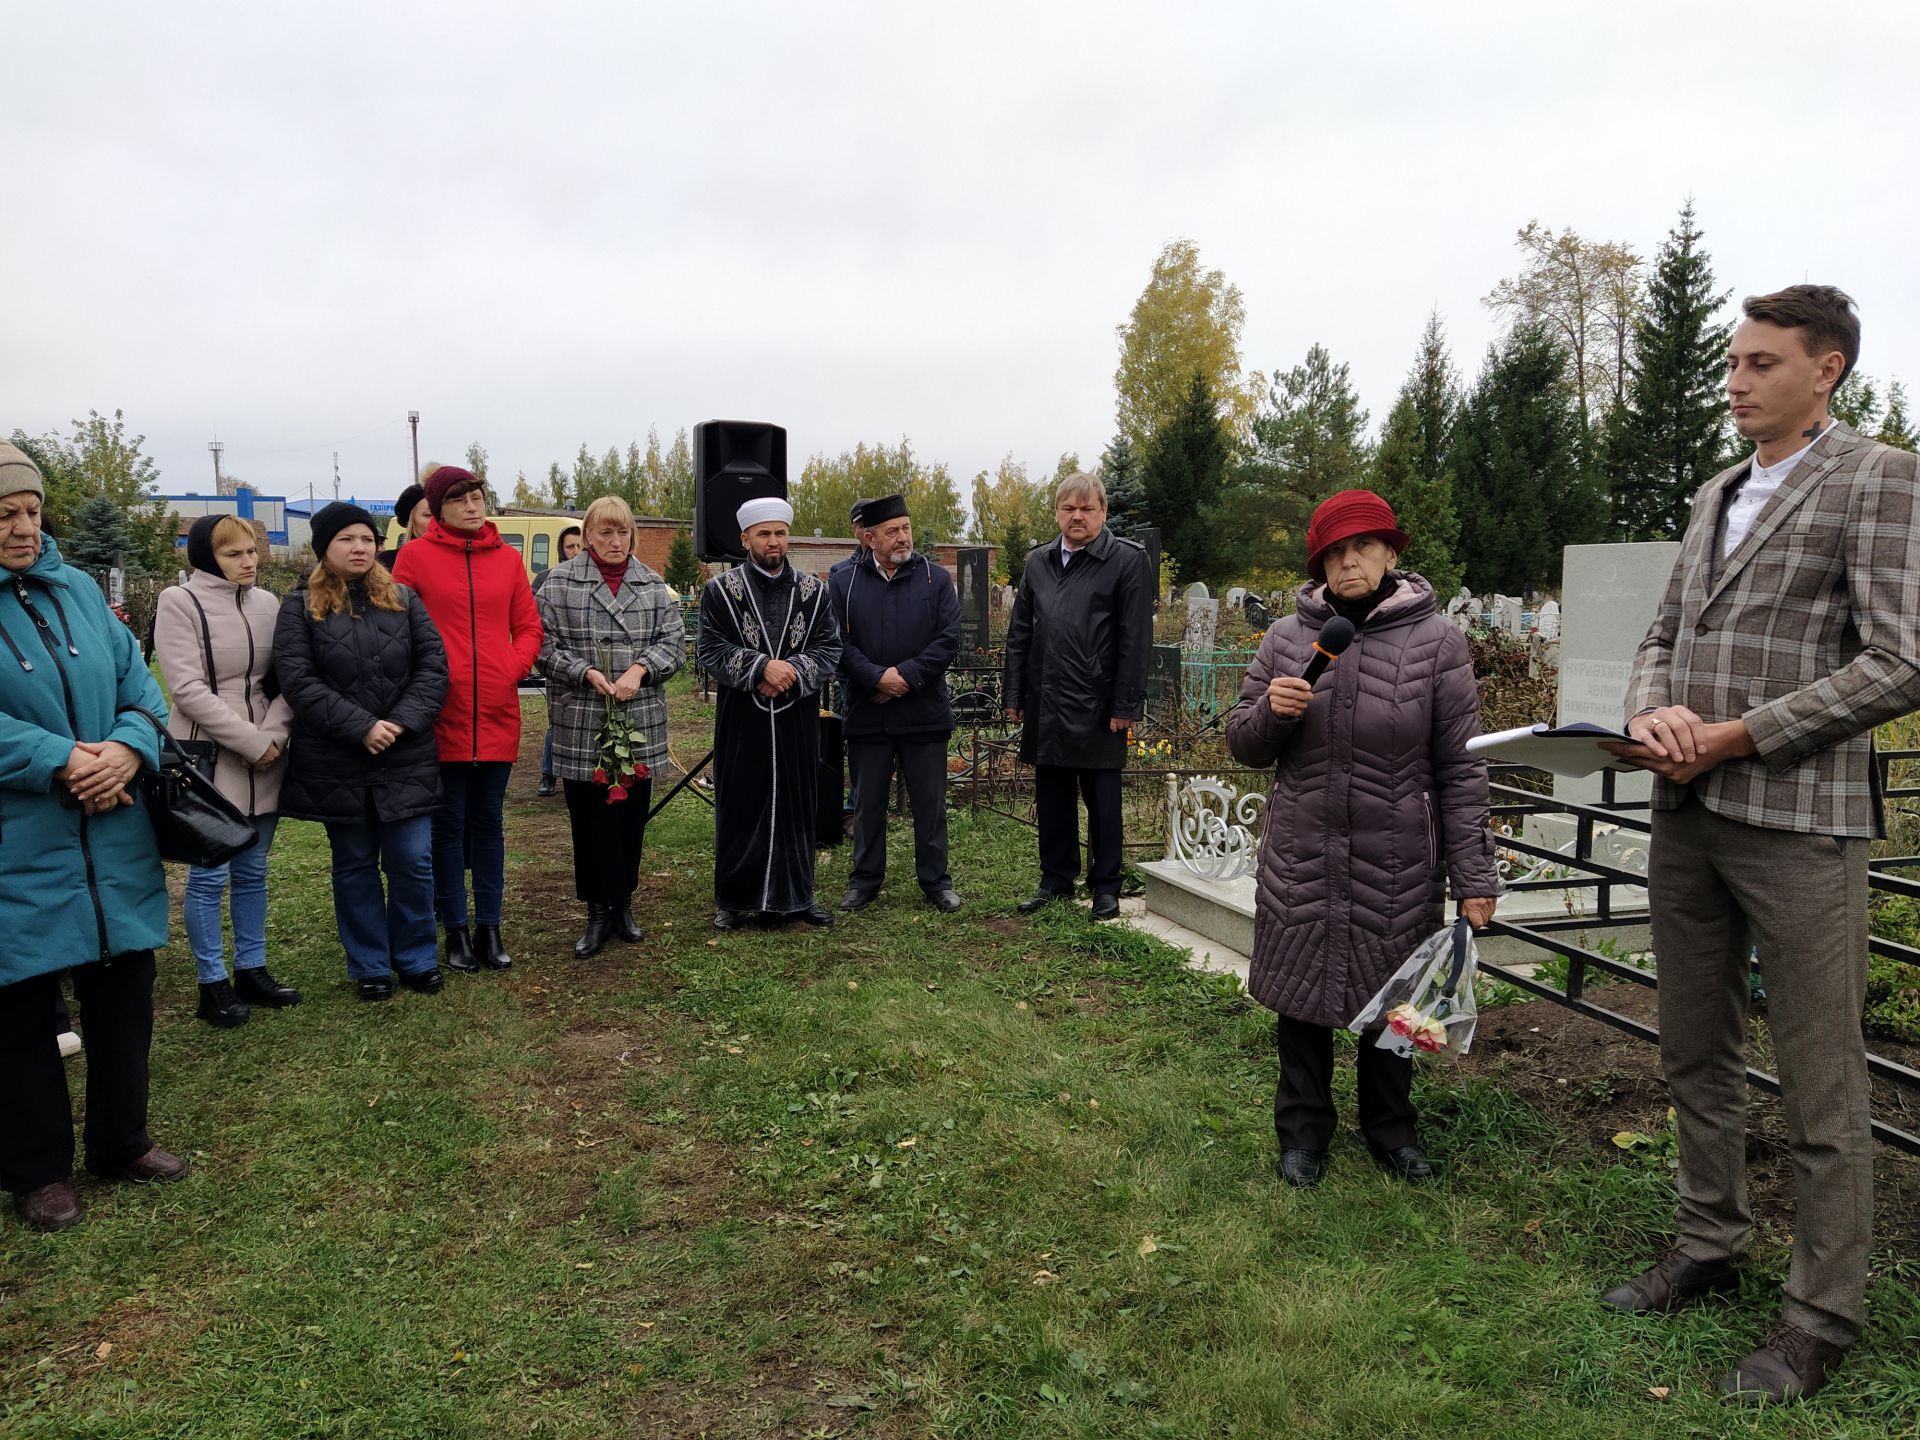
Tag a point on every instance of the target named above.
point(760, 511)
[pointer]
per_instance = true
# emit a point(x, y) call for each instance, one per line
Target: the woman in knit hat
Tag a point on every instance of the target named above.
point(362, 666)
point(1376, 812)
point(213, 637)
point(83, 888)
point(413, 515)
point(475, 587)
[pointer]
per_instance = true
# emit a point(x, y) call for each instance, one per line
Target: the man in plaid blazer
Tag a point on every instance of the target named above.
point(1789, 630)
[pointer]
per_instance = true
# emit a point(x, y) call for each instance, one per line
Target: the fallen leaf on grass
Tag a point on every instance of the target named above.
point(1532, 1227)
point(713, 942)
point(1043, 1277)
point(1148, 1245)
point(583, 1265)
point(459, 1355)
point(1659, 1392)
point(103, 1349)
point(908, 1143)
point(1019, 1004)
point(853, 984)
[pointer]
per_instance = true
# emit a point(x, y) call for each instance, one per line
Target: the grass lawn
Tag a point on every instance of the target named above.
point(971, 1176)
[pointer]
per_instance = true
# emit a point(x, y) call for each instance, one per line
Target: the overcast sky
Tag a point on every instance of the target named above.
point(288, 226)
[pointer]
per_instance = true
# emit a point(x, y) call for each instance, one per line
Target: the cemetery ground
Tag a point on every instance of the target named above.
point(969, 1176)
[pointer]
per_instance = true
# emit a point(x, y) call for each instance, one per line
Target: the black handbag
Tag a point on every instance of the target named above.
point(192, 821)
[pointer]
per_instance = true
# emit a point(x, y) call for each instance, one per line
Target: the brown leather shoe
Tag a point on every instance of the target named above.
point(51, 1207)
point(1790, 1364)
point(156, 1167)
point(1672, 1282)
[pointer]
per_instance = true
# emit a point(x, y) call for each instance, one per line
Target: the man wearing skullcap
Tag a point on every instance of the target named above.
point(768, 639)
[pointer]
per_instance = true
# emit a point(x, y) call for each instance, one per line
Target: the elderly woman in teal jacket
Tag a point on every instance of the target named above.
point(83, 888)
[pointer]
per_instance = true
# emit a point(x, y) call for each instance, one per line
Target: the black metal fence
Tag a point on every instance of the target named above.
point(1583, 870)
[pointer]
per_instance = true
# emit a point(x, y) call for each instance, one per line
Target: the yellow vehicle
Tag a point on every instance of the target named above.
point(536, 537)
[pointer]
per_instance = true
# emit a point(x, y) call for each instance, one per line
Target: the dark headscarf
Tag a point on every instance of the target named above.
point(200, 546)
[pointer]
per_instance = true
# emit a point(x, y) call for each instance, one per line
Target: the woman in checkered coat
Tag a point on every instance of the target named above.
point(612, 638)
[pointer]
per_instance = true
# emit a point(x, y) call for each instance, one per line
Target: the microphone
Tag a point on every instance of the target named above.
point(1335, 636)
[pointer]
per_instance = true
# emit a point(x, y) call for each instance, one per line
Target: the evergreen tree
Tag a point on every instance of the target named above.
point(103, 460)
point(1185, 476)
point(1309, 441)
point(683, 567)
point(1410, 466)
point(1856, 402)
point(1516, 462)
point(1669, 436)
point(1014, 545)
point(97, 539)
point(1126, 494)
point(1896, 426)
point(1424, 508)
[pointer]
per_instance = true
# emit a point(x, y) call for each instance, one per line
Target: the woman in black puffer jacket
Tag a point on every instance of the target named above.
point(361, 663)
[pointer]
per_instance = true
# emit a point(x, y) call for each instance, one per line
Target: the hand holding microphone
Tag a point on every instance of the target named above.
point(1288, 695)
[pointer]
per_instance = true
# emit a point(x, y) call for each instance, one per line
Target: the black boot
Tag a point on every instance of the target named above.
point(599, 927)
point(220, 1007)
point(625, 926)
point(459, 950)
point(488, 949)
point(257, 987)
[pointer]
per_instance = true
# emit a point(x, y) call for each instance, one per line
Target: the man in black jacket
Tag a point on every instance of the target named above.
point(899, 622)
point(1076, 681)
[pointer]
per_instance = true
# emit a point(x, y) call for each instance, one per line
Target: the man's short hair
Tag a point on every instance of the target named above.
point(1080, 484)
point(1823, 313)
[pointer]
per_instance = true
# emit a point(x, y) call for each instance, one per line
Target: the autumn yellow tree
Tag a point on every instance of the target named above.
point(828, 486)
point(1586, 294)
point(1186, 322)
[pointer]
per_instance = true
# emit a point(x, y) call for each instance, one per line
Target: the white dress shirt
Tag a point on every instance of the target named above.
point(1758, 488)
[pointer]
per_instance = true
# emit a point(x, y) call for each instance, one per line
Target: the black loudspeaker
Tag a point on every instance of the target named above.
point(734, 461)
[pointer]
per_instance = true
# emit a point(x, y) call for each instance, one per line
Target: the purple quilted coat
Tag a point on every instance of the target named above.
point(1375, 801)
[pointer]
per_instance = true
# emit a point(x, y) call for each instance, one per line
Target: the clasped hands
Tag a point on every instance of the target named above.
point(889, 687)
point(380, 736)
point(623, 689)
point(1672, 741)
point(97, 772)
point(776, 679)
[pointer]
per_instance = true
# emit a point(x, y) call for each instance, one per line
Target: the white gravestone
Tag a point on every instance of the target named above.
point(1203, 620)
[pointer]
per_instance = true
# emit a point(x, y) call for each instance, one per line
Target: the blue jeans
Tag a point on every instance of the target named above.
point(207, 887)
point(546, 756)
point(469, 832)
point(384, 931)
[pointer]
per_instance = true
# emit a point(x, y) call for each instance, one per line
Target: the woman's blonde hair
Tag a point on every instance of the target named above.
point(327, 591)
point(232, 530)
point(607, 507)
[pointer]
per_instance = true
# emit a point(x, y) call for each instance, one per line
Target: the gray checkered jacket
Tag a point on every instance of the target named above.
point(588, 627)
point(1809, 631)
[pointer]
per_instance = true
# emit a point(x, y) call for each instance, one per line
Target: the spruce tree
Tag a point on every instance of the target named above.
point(1410, 465)
point(1309, 442)
point(683, 566)
point(1896, 426)
point(1670, 436)
point(1185, 473)
point(1126, 494)
point(1014, 545)
point(1519, 484)
point(97, 540)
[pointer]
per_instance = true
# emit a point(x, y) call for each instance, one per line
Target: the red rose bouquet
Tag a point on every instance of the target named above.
point(1427, 1007)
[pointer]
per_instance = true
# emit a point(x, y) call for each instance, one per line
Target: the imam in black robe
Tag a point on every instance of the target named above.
point(766, 753)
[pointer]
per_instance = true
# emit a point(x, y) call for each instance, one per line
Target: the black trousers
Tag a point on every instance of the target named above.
point(36, 1114)
point(1055, 788)
point(1303, 1114)
point(923, 765)
point(606, 840)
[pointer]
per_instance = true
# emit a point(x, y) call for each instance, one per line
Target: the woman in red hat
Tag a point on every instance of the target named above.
point(476, 589)
point(1376, 811)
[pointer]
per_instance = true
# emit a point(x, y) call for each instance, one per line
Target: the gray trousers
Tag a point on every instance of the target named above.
point(1717, 887)
point(923, 765)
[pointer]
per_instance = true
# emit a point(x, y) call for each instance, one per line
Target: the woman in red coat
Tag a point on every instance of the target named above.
point(475, 588)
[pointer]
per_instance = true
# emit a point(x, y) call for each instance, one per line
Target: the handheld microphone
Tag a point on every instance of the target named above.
point(1335, 636)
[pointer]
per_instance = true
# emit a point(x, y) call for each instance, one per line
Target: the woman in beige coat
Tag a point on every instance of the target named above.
point(213, 637)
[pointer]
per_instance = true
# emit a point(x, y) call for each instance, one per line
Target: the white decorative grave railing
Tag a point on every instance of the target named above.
point(1212, 829)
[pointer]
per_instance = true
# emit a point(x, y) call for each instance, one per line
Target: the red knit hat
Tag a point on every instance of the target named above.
point(442, 479)
point(1345, 515)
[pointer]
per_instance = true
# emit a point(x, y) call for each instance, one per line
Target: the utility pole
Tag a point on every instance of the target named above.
point(413, 419)
point(217, 449)
point(336, 475)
